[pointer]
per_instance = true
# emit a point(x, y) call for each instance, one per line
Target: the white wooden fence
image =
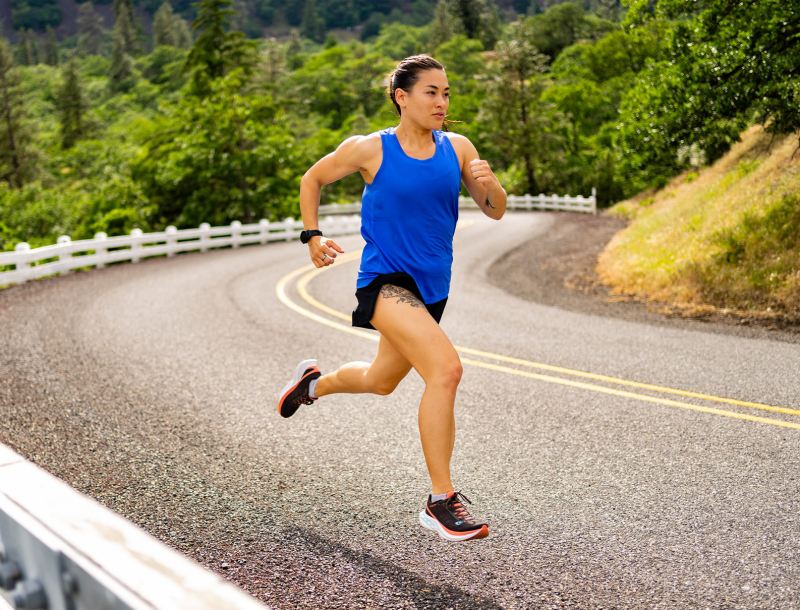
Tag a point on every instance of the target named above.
point(98, 252)
point(337, 219)
point(564, 203)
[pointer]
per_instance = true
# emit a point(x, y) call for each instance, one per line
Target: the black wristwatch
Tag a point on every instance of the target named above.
point(305, 236)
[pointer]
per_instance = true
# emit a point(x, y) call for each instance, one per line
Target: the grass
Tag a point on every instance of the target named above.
point(726, 238)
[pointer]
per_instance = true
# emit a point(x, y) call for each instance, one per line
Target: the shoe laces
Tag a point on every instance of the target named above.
point(455, 503)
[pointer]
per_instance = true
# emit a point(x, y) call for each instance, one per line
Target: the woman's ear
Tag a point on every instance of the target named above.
point(400, 97)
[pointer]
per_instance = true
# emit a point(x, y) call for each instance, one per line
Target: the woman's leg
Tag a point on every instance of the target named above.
point(402, 319)
point(380, 376)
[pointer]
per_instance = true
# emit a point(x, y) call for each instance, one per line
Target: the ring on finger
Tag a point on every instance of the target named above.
point(324, 256)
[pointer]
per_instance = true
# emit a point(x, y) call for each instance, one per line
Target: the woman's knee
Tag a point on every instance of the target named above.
point(447, 373)
point(384, 387)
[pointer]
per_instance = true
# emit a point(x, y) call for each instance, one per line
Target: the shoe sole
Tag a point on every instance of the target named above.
point(432, 524)
point(296, 379)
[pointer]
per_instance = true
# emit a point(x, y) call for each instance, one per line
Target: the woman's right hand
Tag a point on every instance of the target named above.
point(323, 251)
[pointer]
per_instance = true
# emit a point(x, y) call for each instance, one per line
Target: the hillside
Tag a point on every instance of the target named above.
point(725, 239)
point(271, 17)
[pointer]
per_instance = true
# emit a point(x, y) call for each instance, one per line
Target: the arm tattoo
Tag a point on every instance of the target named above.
point(403, 295)
point(488, 203)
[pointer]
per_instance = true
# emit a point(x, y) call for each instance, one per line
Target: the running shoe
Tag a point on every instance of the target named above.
point(451, 520)
point(295, 393)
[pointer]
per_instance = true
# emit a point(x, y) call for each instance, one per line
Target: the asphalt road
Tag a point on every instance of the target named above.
point(151, 387)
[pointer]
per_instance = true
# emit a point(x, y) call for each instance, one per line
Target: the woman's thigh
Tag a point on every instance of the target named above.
point(402, 319)
point(388, 368)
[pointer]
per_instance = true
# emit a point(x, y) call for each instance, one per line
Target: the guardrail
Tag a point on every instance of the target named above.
point(564, 203)
point(335, 219)
point(61, 550)
point(98, 252)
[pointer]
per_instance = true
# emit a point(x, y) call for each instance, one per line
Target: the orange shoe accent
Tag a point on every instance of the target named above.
point(294, 387)
point(482, 532)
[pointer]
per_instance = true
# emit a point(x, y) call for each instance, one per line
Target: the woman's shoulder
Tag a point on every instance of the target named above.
point(455, 138)
point(366, 142)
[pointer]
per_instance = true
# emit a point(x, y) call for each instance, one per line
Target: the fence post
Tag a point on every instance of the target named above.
point(63, 259)
point(204, 237)
point(263, 230)
point(236, 232)
point(289, 228)
point(100, 249)
point(594, 201)
point(136, 246)
point(172, 240)
point(24, 266)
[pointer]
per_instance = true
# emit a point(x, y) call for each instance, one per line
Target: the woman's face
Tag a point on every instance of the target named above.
point(428, 100)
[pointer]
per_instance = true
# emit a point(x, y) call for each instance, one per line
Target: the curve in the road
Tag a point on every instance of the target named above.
point(307, 273)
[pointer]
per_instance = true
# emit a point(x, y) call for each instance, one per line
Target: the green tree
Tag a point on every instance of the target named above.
point(233, 157)
point(51, 48)
point(313, 25)
point(125, 26)
point(71, 105)
point(90, 30)
point(16, 157)
point(445, 24)
point(335, 81)
point(735, 58)
point(564, 24)
point(183, 35)
point(30, 48)
point(34, 14)
point(513, 110)
point(469, 13)
point(121, 73)
point(339, 13)
point(216, 51)
point(164, 26)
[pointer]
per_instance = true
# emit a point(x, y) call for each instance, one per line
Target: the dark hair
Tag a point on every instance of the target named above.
point(406, 75)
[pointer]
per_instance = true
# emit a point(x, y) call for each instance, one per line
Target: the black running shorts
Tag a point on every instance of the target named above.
point(368, 296)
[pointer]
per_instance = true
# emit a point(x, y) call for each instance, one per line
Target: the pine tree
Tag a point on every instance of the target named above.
point(90, 30)
point(469, 12)
point(16, 162)
point(164, 26)
point(216, 50)
point(312, 26)
point(445, 24)
point(30, 48)
point(491, 25)
point(121, 73)
point(51, 48)
point(71, 105)
point(183, 35)
point(125, 24)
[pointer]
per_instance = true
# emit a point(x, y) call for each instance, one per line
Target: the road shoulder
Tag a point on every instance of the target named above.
point(557, 269)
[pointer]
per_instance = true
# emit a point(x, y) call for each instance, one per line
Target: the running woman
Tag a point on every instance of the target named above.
point(412, 174)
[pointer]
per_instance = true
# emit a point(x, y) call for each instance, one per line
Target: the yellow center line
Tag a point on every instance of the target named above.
point(310, 273)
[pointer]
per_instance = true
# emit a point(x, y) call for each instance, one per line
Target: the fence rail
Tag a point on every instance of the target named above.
point(565, 203)
point(336, 219)
point(67, 255)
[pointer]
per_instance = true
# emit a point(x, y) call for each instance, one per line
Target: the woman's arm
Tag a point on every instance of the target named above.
point(349, 157)
point(478, 177)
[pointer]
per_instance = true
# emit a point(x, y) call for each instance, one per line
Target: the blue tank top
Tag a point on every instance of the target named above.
point(409, 214)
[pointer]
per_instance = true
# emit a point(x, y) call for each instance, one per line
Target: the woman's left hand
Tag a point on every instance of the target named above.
point(483, 174)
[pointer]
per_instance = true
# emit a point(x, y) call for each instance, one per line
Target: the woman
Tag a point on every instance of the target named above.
point(413, 175)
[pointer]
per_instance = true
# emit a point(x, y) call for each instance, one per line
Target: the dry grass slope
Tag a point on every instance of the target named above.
point(722, 240)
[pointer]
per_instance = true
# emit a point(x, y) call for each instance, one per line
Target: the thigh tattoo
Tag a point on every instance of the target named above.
point(403, 295)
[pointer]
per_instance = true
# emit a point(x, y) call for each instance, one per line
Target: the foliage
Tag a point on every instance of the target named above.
point(225, 157)
point(724, 65)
